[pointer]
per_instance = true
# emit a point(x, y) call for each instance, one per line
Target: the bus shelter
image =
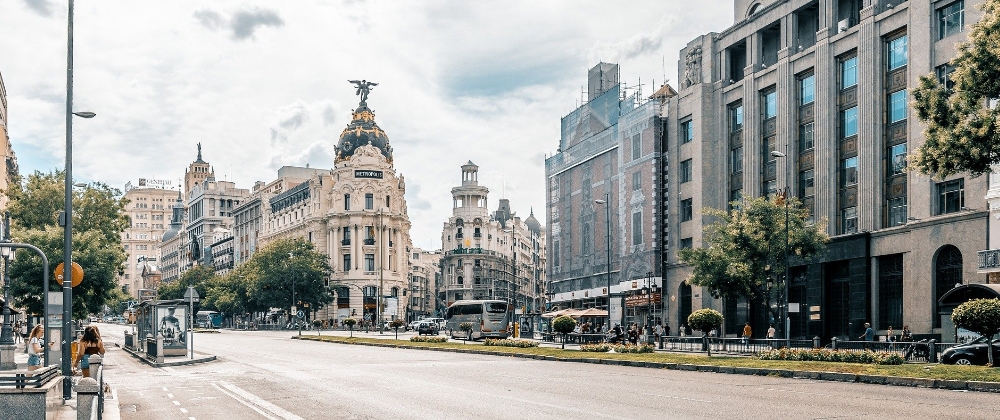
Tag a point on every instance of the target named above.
point(167, 318)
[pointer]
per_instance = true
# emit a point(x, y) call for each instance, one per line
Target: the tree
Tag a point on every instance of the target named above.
point(395, 324)
point(705, 320)
point(981, 316)
point(564, 325)
point(962, 132)
point(98, 219)
point(467, 328)
point(283, 268)
point(746, 248)
point(199, 276)
point(350, 322)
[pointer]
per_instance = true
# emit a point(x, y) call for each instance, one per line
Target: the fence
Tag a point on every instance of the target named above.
point(731, 345)
point(917, 350)
point(35, 379)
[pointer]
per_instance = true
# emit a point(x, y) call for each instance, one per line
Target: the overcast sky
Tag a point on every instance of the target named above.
point(264, 84)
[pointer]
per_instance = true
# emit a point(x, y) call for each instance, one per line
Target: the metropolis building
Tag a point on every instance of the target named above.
point(813, 96)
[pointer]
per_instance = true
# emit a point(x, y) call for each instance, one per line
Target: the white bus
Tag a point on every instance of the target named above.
point(489, 318)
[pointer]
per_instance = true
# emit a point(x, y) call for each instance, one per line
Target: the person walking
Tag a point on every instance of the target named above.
point(868, 336)
point(35, 348)
point(90, 344)
point(17, 332)
point(747, 334)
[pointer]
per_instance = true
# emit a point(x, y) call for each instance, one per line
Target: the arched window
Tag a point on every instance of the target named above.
point(459, 222)
point(395, 292)
point(684, 308)
point(947, 274)
point(753, 9)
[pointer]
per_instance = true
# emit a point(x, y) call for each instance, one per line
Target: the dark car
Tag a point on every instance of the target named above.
point(971, 353)
point(427, 328)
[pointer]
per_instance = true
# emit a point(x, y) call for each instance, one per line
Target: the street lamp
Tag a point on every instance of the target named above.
point(294, 315)
point(67, 330)
point(607, 218)
point(787, 326)
point(6, 335)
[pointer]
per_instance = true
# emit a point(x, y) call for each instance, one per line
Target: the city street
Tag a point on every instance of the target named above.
point(264, 374)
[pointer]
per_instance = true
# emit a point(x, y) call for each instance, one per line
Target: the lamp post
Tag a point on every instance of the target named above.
point(294, 315)
point(6, 333)
point(67, 330)
point(787, 319)
point(607, 219)
point(380, 311)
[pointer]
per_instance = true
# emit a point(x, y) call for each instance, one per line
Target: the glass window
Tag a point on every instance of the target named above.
point(897, 159)
point(770, 145)
point(735, 196)
point(687, 210)
point(951, 18)
point(637, 228)
point(807, 90)
point(806, 182)
point(897, 211)
point(369, 201)
point(636, 146)
point(896, 52)
point(770, 187)
point(736, 160)
point(369, 262)
point(686, 171)
point(951, 196)
point(849, 172)
point(347, 262)
point(850, 121)
point(736, 118)
point(347, 235)
point(897, 106)
point(849, 220)
point(849, 72)
point(770, 104)
point(347, 201)
point(687, 132)
point(890, 290)
point(944, 73)
point(687, 243)
point(805, 137)
point(636, 181)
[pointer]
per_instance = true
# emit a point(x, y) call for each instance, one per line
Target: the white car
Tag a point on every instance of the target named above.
point(413, 325)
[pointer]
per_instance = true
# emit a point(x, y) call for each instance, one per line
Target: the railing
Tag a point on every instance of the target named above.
point(369, 242)
point(35, 379)
point(730, 345)
point(917, 350)
point(345, 242)
point(989, 259)
point(457, 251)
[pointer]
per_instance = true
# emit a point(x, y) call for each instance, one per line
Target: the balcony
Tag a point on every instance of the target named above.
point(477, 235)
point(989, 261)
point(459, 235)
point(345, 242)
point(370, 241)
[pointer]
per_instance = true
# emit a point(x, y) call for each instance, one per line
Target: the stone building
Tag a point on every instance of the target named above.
point(813, 96)
point(149, 212)
point(490, 256)
point(9, 169)
point(425, 273)
point(210, 215)
point(174, 249)
point(609, 163)
point(222, 252)
point(197, 171)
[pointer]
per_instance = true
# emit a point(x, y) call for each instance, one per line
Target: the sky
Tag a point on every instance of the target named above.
point(265, 84)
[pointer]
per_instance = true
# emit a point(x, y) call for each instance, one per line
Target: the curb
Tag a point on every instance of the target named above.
point(184, 362)
point(946, 384)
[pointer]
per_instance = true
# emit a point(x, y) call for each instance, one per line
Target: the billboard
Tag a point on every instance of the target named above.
point(170, 323)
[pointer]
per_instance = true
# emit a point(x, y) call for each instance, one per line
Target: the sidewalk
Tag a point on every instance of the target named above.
point(169, 361)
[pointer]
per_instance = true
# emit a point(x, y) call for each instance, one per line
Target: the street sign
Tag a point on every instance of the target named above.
point(300, 315)
point(76, 274)
point(191, 294)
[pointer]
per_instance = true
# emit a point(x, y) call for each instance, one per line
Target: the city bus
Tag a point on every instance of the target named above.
point(489, 318)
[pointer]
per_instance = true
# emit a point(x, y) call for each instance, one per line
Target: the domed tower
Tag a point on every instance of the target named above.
point(360, 132)
point(533, 225)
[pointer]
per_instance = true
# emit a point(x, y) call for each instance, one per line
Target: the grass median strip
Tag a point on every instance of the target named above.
point(910, 370)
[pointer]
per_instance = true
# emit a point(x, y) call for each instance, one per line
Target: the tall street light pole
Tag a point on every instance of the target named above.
point(6, 333)
point(787, 319)
point(67, 330)
point(607, 219)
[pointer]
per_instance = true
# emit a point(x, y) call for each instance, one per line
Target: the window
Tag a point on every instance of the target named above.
point(735, 118)
point(369, 201)
point(637, 228)
point(770, 187)
point(636, 181)
point(849, 172)
point(896, 53)
point(805, 137)
point(387, 201)
point(947, 274)
point(848, 72)
point(686, 171)
point(636, 146)
point(951, 196)
point(687, 210)
point(347, 262)
point(736, 160)
point(897, 106)
point(807, 90)
point(806, 179)
point(735, 195)
point(951, 18)
point(369, 262)
point(770, 104)
point(347, 201)
point(347, 236)
point(897, 159)
point(770, 146)
point(849, 220)
point(687, 243)
point(850, 121)
point(687, 132)
point(896, 209)
point(944, 72)
point(890, 290)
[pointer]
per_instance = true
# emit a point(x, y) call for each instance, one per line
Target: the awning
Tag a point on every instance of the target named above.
point(591, 312)
point(562, 312)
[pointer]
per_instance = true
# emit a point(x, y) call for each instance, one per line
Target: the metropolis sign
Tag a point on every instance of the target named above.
point(367, 174)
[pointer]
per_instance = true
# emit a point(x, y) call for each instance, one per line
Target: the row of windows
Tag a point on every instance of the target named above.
point(369, 201)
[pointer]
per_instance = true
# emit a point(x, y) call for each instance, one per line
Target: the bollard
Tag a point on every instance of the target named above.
point(86, 398)
point(159, 348)
point(833, 343)
point(932, 351)
point(816, 342)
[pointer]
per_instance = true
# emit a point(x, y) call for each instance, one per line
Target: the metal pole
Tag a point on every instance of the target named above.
point(607, 220)
point(191, 319)
point(68, 234)
point(381, 284)
point(787, 326)
point(6, 334)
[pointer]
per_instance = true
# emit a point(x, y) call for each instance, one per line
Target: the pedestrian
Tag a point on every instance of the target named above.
point(658, 331)
point(666, 329)
point(868, 336)
point(90, 344)
point(683, 330)
point(770, 332)
point(633, 335)
point(35, 347)
point(747, 332)
point(906, 335)
point(890, 336)
point(24, 334)
point(17, 332)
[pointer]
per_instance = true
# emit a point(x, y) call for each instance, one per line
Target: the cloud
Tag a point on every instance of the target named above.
point(42, 7)
point(635, 46)
point(209, 19)
point(244, 23)
point(413, 198)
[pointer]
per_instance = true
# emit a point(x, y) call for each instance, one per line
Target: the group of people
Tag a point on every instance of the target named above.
point(90, 343)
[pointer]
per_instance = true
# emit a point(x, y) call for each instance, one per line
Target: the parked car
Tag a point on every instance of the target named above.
point(971, 353)
point(413, 325)
point(428, 328)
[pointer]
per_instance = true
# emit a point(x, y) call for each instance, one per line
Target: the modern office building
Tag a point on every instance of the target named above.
point(148, 210)
point(812, 96)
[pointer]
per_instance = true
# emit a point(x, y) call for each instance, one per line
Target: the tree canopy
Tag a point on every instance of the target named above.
point(745, 246)
point(281, 269)
point(981, 316)
point(98, 220)
point(962, 127)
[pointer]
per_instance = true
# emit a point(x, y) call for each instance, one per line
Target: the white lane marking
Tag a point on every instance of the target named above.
point(675, 397)
point(176, 402)
point(239, 400)
point(184, 410)
point(170, 395)
point(191, 418)
point(168, 369)
point(164, 389)
point(280, 412)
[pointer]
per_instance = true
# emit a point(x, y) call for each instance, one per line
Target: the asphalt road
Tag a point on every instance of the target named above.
point(266, 375)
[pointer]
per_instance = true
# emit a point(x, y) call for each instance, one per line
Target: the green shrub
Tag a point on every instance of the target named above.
point(397, 323)
point(510, 343)
point(705, 320)
point(564, 324)
point(426, 339)
point(349, 322)
point(828, 355)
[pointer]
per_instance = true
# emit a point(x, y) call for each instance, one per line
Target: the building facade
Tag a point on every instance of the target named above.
point(812, 96)
point(210, 215)
point(174, 250)
point(10, 170)
point(149, 212)
point(425, 274)
point(605, 199)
